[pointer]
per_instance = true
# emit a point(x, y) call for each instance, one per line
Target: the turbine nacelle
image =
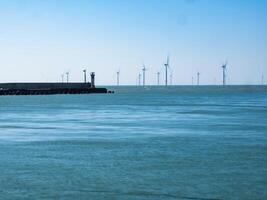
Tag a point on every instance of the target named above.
point(144, 68)
point(224, 65)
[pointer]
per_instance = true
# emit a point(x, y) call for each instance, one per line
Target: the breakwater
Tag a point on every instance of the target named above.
point(48, 88)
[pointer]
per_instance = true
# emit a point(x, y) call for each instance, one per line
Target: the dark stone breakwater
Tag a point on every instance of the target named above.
point(52, 91)
point(48, 88)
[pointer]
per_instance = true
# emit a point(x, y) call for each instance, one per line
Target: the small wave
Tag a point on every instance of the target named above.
point(27, 127)
point(151, 194)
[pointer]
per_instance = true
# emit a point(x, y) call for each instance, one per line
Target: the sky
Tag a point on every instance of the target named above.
point(41, 40)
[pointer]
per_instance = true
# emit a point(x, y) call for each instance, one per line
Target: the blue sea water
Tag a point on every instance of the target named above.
point(180, 142)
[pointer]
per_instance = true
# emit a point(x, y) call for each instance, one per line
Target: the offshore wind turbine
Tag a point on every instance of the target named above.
point(262, 79)
point(144, 69)
point(224, 66)
point(167, 66)
point(118, 77)
point(67, 73)
point(158, 75)
point(198, 75)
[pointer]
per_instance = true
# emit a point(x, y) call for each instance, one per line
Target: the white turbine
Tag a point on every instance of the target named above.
point(167, 66)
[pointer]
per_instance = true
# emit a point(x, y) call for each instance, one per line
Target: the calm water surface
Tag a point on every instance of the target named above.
point(139, 143)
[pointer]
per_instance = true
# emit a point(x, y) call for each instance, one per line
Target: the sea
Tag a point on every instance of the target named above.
point(151, 143)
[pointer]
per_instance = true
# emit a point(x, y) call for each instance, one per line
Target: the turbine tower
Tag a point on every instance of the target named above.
point(262, 79)
point(67, 73)
point(84, 74)
point(198, 74)
point(158, 74)
point(224, 66)
point(118, 77)
point(166, 70)
point(139, 79)
point(144, 75)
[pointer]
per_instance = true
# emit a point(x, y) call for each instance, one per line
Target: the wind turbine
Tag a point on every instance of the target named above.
point(262, 79)
point(166, 70)
point(158, 75)
point(198, 74)
point(192, 80)
point(224, 66)
point(144, 69)
point(118, 77)
point(67, 73)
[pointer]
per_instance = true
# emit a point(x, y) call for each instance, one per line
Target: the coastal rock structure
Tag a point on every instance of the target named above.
point(50, 88)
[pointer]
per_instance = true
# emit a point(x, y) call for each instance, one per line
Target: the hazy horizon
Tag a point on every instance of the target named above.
point(40, 40)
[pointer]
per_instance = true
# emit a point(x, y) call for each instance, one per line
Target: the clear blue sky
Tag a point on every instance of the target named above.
point(39, 40)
